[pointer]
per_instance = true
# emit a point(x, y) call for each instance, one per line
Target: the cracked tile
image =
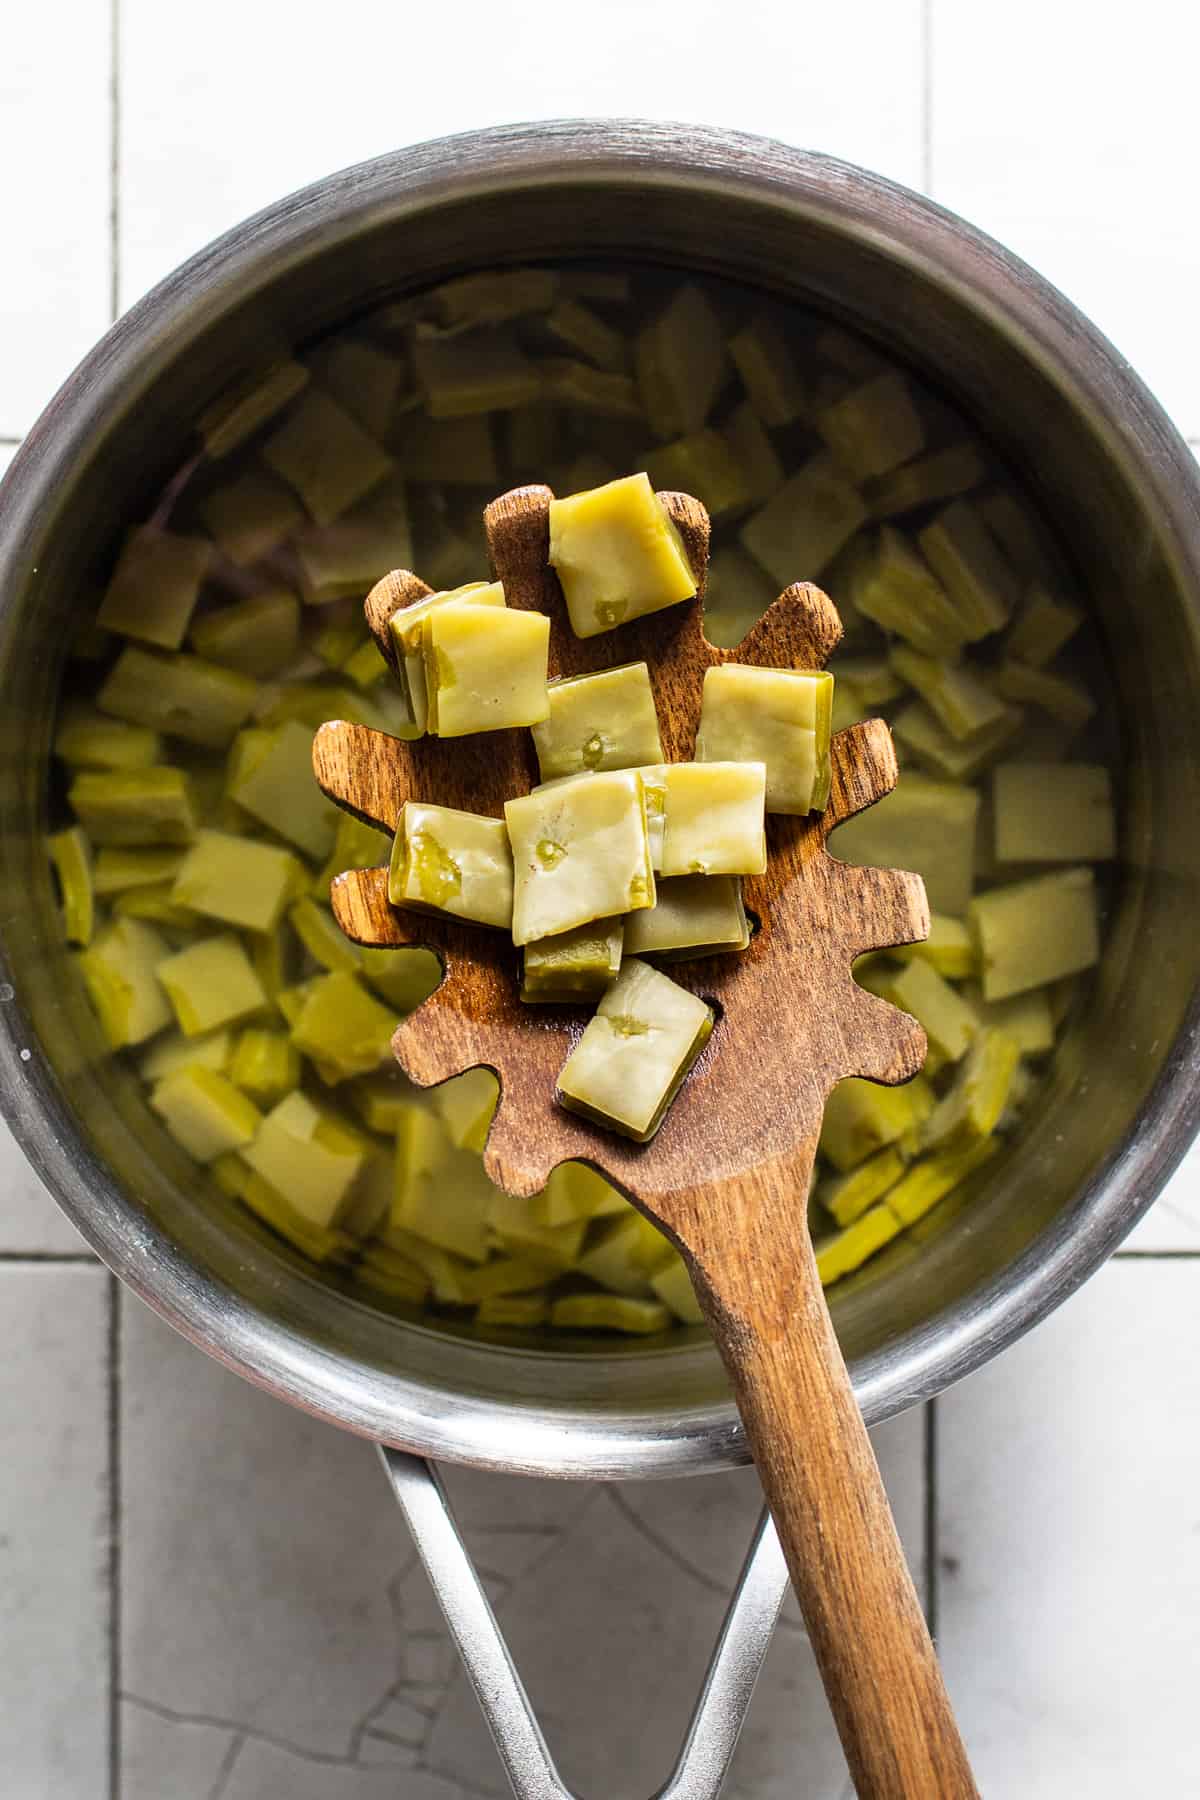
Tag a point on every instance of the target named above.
point(162, 1756)
point(1070, 1545)
point(29, 1218)
point(258, 1549)
point(54, 1531)
point(612, 1629)
point(266, 1772)
point(380, 1752)
point(400, 1720)
point(54, 299)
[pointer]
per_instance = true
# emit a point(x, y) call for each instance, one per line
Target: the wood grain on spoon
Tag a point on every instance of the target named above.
point(728, 1174)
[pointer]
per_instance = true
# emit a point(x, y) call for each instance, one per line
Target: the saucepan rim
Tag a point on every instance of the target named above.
point(139, 349)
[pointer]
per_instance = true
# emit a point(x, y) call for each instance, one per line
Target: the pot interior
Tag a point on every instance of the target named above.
point(1092, 451)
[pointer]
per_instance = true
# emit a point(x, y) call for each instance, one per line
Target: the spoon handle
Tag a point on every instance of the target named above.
point(756, 1276)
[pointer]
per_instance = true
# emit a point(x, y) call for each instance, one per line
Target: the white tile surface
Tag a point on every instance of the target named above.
point(1173, 1222)
point(259, 1548)
point(224, 119)
point(54, 201)
point(1068, 134)
point(162, 1756)
point(54, 1533)
point(29, 1219)
point(1070, 1550)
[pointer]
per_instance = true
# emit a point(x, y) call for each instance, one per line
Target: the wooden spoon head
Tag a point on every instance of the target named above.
point(791, 1019)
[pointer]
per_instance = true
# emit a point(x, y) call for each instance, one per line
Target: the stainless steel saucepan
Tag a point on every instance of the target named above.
point(1121, 1106)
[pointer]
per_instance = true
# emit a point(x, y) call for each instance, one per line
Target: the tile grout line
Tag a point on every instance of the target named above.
point(49, 1256)
point(927, 94)
point(931, 1518)
point(116, 1546)
point(1156, 1255)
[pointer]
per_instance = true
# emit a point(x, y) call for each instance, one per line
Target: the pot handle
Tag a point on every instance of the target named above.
point(728, 1686)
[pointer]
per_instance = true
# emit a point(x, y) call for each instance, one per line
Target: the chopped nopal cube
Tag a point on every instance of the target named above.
point(444, 860)
point(873, 427)
point(441, 1194)
point(454, 451)
point(803, 526)
point(236, 880)
point(173, 1051)
point(265, 1064)
point(849, 1195)
point(928, 826)
point(274, 783)
point(978, 1094)
point(247, 404)
point(576, 1192)
point(116, 869)
point(849, 1249)
point(315, 927)
point(754, 453)
point(490, 296)
point(580, 852)
point(344, 558)
point(478, 371)
point(606, 720)
point(635, 1052)
point(252, 514)
point(1044, 624)
point(918, 988)
point(956, 696)
point(941, 475)
point(258, 636)
point(578, 328)
point(624, 1252)
point(408, 627)
point(715, 818)
point(861, 1118)
point(948, 948)
point(134, 806)
point(1053, 812)
point(211, 983)
point(467, 1104)
point(976, 573)
point(765, 362)
point(933, 1177)
point(311, 1155)
point(87, 740)
point(609, 1312)
point(325, 455)
point(119, 971)
point(343, 1030)
point(681, 362)
point(673, 1286)
point(181, 696)
point(617, 555)
point(692, 915)
point(896, 589)
point(71, 857)
point(654, 792)
point(779, 717)
point(736, 596)
point(1033, 932)
point(917, 729)
point(573, 965)
point(1026, 1018)
point(155, 586)
point(485, 668)
point(402, 977)
point(704, 465)
point(1060, 696)
point(205, 1112)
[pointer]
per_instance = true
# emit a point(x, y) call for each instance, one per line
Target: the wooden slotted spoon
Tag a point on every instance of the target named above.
point(727, 1176)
